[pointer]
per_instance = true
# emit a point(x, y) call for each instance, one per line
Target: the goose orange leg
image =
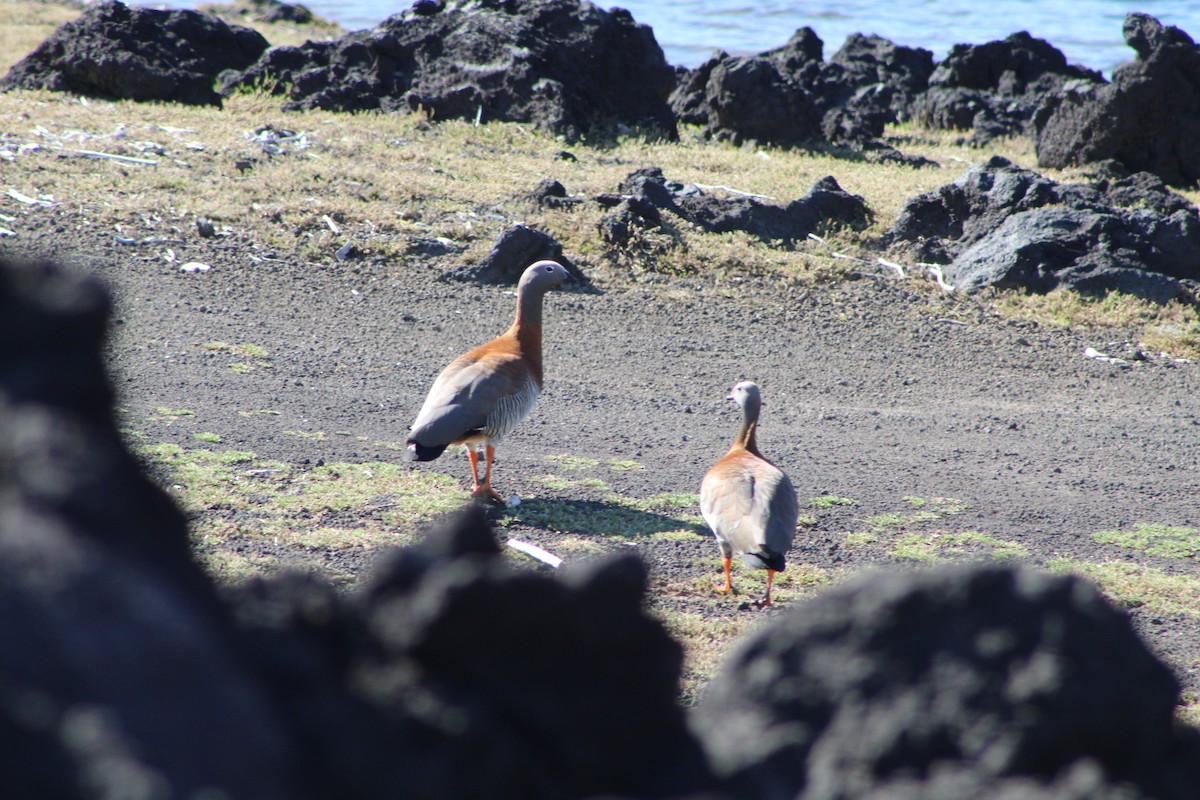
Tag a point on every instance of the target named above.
point(766, 601)
point(727, 563)
point(483, 490)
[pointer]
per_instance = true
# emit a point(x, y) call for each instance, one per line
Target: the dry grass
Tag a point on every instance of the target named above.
point(26, 24)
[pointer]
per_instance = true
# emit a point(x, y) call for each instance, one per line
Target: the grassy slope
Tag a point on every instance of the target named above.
point(381, 179)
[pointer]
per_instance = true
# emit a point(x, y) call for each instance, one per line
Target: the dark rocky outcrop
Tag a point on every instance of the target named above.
point(871, 82)
point(123, 53)
point(551, 194)
point(752, 98)
point(1148, 118)
point(646, 194)
point(118, 665)
point(994, 89)
point(565, 65)
point(790, 95)
point(956, 682)
point(1000, 225)
point(516, 249)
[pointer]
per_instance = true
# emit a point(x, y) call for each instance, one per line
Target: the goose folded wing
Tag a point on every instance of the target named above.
point(727, 498)
point(464, 395)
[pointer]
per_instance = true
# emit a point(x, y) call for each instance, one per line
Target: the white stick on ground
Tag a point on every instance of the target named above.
point(533, 551)
point(125, 159)
point(709, 187)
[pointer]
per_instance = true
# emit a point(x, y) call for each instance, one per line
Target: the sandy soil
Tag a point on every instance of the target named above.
point(872, 393)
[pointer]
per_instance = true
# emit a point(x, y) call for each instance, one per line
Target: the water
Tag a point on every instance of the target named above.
point(689, 31)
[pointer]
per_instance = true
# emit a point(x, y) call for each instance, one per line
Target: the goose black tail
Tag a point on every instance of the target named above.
point(764, 559)
point(424, 452)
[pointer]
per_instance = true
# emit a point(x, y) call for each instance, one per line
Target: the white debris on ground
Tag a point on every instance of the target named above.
point(274, 141)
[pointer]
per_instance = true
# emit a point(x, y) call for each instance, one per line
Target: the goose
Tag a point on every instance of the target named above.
point(481, 395)
point(748, 502)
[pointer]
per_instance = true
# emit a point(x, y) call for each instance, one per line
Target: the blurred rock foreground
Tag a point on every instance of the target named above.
point(125, 672)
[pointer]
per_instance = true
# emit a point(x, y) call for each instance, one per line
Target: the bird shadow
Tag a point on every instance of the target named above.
point(596, 518)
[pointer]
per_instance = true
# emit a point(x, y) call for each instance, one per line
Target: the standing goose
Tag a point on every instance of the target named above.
point(482, 395)
point(747, 501)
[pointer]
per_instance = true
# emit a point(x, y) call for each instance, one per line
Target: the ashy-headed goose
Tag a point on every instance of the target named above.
point(747, 501)
point(482, 395)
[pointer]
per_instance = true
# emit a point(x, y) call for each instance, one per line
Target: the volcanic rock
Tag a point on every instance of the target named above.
point(989, 681)
point(751, 98)
point(995, 88)
point(517, 248)
point(121, 671)
point(564, 65)
point(549, 193)
point(874, 82)
point(825, 205)
point(1000, 225)
point(1148, 118)
point(142, 54)
point(789, 95)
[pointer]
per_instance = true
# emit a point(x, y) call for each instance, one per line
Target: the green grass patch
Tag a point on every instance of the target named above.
point(623, 465)
point(566, 546)
point(573, 463)
point(237, 502)
point(829, 501)
point(942, 546)
point(1156, 540)
point(556, 482)
point(173, 413)
point(229, 567)
point(862, 538)
point(247, 350)
point(254, 357)
point(681, 535)
point(210, 438)
point(894, 519)
point(1188, 709)
point(938, 505)
point(1172, 328)
point(925, 510)
point(665, 500)
point(706, 644)
point(1136, 586)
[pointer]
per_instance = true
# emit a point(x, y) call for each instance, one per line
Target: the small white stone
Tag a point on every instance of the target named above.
point(513, 501)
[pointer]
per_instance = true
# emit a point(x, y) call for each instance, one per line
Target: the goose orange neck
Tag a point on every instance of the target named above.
point(527, 330)
point(747, 438)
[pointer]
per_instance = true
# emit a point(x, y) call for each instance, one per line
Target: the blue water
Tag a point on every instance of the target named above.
point(1088, 32)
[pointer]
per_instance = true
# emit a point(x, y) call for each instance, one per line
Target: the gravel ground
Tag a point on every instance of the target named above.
point(873, 392)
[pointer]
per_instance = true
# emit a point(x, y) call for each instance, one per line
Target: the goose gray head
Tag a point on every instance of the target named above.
point(747, 395)
point(542, 276)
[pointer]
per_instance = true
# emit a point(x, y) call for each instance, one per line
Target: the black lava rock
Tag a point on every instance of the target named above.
point(917, 683)
point(1147, 119)
point(565, 65)
point(123, 53)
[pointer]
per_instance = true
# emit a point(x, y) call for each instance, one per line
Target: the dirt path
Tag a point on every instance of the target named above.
point(872, 394)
